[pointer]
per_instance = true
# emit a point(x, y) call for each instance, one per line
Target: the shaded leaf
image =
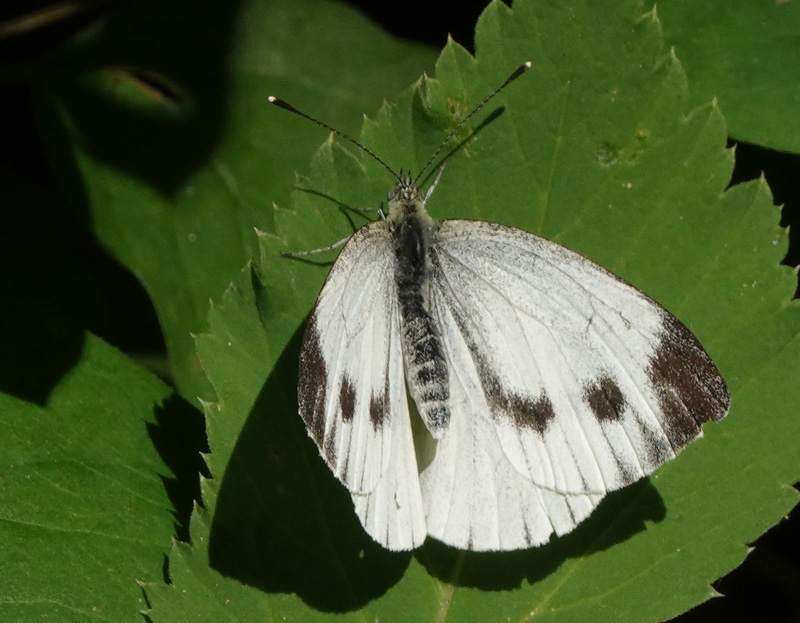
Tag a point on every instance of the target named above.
point(171, 151)
point(599, 148)
point(85, 512)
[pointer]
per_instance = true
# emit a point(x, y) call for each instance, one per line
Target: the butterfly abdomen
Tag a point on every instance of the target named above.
point(425, 364)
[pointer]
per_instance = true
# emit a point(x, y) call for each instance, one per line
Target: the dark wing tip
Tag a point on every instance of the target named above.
point(690, 387)
point(312, 383)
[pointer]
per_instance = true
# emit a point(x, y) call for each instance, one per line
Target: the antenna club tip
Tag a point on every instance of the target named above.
point(286, 106)
point(527, 65)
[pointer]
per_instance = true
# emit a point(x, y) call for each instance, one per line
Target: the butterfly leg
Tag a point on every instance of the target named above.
point(432, 187)
point(330, 247)
point(336, 245)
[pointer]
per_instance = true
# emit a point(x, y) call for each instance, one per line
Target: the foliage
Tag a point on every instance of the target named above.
point(171, 156)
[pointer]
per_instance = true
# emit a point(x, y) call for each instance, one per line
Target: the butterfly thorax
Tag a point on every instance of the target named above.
point(412, 231)
point(411, 227)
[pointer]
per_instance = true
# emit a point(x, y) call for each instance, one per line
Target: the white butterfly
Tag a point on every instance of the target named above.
point(541, 380)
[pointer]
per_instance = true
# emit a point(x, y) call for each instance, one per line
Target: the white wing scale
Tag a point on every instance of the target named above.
point(352, 393)
point(474, 497)
point(566, 383)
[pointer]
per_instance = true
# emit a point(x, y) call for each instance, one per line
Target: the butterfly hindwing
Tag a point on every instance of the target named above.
point(474, 497)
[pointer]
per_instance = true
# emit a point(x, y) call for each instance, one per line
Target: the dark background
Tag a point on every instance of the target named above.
point(765, 587)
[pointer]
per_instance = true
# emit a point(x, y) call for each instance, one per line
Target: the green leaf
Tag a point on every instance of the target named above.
point(598, 148)
point(172, 151)
point(85, 513)
point(747, 55)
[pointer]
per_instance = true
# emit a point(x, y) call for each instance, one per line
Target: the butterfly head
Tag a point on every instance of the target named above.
point(405, 195)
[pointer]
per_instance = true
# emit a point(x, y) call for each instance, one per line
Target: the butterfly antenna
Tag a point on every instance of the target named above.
point(517, 73)
point(290, 108)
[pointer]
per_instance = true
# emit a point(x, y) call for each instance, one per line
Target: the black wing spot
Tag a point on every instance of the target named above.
point(347, 399)
point(605, 399)
point(330, 443)
point(379, 409)
point(533, 413)
point(526, 411)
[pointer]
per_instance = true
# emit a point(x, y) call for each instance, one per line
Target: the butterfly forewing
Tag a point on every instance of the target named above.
point(345, 391)
point(567, 383)
point(352, 394)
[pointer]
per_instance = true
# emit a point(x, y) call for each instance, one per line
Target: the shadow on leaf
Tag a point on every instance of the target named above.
point(283, 523)
point(618, 517)
point(163, 112)
point(39, 347)
point(179, 437)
